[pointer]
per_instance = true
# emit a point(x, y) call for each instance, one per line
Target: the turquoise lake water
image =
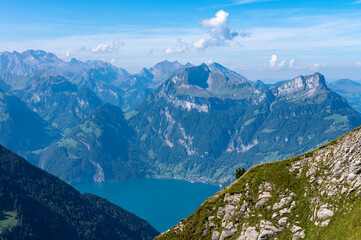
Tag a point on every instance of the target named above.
point(161, 202)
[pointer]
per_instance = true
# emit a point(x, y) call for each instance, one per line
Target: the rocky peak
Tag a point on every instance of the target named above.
point(145, 73)
point(217, 68)
point(302, 83)
point(197, 76)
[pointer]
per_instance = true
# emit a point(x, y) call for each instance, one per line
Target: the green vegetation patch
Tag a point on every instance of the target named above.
point(7, 219)
point(250, 121)
point(67, 143)
point(266, 130)
point(91, 127)
point(337, 118)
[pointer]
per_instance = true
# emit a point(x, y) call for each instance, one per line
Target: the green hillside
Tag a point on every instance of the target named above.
point(313, 196)
point(37, 205)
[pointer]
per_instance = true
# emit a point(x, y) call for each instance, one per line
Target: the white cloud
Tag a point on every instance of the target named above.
point(108, 47)
point(281, 64)
point(273, 62)
point(291, 63)
point(358, 64)
point(219, 26)
point(219, 32)
point(317, 66)
point(67, 53)
point(181, 48)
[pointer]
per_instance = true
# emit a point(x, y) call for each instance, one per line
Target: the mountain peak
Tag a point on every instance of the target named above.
point(303, 83)
point(197, 76)
point(231, 75)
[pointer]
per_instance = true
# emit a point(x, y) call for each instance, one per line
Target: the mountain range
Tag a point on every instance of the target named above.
point(197, 123)
point(201, 125)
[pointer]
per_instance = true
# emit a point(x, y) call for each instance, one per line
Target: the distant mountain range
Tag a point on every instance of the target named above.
point(197, 123)
point(37, 205)
point(350, 90)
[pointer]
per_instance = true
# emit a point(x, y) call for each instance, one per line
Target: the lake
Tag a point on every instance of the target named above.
point(161, 202)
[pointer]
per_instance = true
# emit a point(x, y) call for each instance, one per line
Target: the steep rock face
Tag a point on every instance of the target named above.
point(58, 101)
point(217, 68)
point(99, 149)
point(315, 195)
point(350, 90)
point(22, 130)
point(201, 126)
point(37, 205)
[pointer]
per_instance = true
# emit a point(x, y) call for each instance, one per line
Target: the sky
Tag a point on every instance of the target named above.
point(261, 39)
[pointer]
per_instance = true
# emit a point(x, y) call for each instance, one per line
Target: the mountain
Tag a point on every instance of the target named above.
point(100, 77)
point(201, 125)
point(37, 205)
point(58, 101)
point(217, 68)
point(22, 130)
point(350, 90)
point(103, 148)
point(26, 63)
point(135, 91)
point(139, 86)
point(163, 70)
point(313, 196)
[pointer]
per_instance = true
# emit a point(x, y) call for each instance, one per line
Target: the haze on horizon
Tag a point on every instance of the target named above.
point(261, 39)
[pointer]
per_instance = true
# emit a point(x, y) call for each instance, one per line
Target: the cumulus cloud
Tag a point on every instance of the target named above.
point(219, 34)
point(181, 48)
point(291, 63)
point(67, 53)
point(273, 62)
point(108, 47)
point(219, 26)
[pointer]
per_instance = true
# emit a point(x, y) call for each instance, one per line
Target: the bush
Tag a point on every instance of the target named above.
point(240, 172)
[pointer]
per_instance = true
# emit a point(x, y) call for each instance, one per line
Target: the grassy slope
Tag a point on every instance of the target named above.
point(345, 224)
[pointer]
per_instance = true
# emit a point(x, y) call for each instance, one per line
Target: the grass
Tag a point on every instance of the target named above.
point(249, 122)
point(91, 127)
point(337, 118)
point(266, 130)
point(345, 224)
point(7, 219)
point(67, 143)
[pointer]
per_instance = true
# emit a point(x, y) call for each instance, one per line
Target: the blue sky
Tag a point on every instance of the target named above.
point(260, 39)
